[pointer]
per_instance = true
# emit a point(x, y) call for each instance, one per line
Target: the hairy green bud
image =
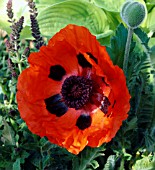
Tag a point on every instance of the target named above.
point(133, 14)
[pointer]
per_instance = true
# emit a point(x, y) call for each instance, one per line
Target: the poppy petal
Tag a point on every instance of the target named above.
point(73, 52)
point(34, 84)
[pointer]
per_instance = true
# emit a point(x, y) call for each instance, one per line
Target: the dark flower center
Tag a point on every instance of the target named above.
point(76, 91)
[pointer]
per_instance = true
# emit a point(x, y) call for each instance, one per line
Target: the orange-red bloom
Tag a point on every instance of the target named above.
point(72, 93)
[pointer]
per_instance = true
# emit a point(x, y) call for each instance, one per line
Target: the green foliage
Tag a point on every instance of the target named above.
point(146, 163)
point(16, 164)
point(109, 5)
point(117, 45)
point(57, 16)
point(138, 130)
point(134, 145)
point(87, 159)
point(150, 20)
point(110, 164)
point(8, 134)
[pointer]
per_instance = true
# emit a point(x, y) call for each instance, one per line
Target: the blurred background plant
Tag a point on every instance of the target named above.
point(31, 24)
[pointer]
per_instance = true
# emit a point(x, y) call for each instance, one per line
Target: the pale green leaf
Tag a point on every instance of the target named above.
point(8, 135)
point(110, 164)
point(57, 16)
point(112, 5)
point(144, 164)
point(50, 2)
point(94, 164)
point(150, 1)
point(150, 23)
point(16, 165)
point(152, 42)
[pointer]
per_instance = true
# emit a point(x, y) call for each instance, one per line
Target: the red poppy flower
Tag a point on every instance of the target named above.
point(72, 93)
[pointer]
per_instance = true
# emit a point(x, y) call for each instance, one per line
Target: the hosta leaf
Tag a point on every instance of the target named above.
point(150, 20)
point(57, 16)
point(50, 2)
point(112, 5)
point(150, 1)
point(152, 42)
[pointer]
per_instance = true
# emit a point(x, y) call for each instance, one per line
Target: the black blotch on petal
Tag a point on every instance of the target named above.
point(92, 57)
point(58, 109)
point(57, 72)
point(103, 79)
point(104, 107)
point(53, 99)
point(55, 106)
point(82, 61)
point(83, 121)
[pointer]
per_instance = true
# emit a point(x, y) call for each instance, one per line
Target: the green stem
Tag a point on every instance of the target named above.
point(127, 50)
point(19, 63)
point(11, 97)
point(122, 164)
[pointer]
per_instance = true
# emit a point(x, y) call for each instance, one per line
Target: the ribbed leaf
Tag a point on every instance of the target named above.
point(57, 16)
point(112, 5)
point(150, 20)
point(50, 2)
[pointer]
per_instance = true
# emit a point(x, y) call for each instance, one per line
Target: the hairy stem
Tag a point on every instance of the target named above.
point(127, 50)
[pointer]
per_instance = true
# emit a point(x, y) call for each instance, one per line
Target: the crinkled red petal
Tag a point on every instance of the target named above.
point(34, 86)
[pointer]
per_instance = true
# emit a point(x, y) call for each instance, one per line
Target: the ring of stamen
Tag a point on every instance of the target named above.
point(76, 91)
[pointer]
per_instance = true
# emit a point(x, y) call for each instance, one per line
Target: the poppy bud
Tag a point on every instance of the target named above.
point(133, 14)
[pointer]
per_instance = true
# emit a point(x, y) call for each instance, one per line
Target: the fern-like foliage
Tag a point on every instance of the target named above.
point(87, 159)
point(138, 131)
point(117, 47)
point(141, 84)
